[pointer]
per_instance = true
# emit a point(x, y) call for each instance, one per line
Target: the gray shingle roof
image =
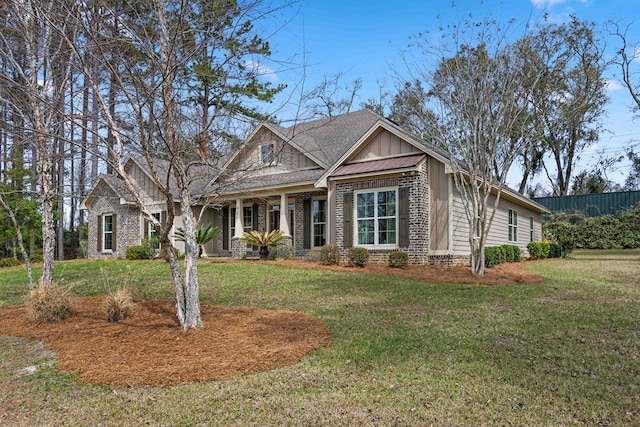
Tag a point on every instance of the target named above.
point(329, 138)
point(262, 182)
point(118, 186)
point(200, 175)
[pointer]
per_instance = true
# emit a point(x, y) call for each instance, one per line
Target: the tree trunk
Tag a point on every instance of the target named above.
point(60, 190)
point(264, 252)
point(46, 196)
point(20, 240)
point(477, 255)
point(191, 297)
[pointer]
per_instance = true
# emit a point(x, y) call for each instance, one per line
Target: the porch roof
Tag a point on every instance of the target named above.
point(380, 165)
point(272, 181)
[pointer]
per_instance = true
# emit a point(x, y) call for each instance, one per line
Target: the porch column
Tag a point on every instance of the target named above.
point(284, 215)
point(239, 220)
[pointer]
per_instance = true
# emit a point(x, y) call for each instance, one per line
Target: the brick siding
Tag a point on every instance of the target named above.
point(417, 184)
point(127, 224)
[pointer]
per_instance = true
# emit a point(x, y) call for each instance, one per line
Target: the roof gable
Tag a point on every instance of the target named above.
point(383, 144)
point(115, 184)
point(287, 155)
point(406, 144)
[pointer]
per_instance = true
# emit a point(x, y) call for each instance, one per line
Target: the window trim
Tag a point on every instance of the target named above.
point(104, 233)
point(261, 154)
point(291, 210)
point(151, 230)
point(314, 223)
point(513, 225)
point(232, 221)
point(376, 219)
point(531, 229)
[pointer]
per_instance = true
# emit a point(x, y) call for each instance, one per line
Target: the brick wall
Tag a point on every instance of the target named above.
point(417, 184)
point(127, 224)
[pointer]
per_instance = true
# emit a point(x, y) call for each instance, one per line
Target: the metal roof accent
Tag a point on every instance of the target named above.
point(379, 165)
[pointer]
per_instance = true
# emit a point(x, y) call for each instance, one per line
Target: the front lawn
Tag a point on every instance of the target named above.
point(403, 352)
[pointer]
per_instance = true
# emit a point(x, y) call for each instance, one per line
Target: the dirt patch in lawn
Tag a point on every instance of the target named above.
point(150, 349)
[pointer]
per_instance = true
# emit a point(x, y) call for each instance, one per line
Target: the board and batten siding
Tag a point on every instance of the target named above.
point(383, 144)
point(149, 190)
point(499, 231)
point(287, 157)
point(438, 207)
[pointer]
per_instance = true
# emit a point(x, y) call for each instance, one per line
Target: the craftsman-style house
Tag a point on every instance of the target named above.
point(355, 179)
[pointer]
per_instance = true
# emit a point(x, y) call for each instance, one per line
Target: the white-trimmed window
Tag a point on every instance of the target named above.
point(151, 232)
point(267, 153)
point(377, 218)
point(247, 220)
point(274, 217)
point(319, 226)
point(513, 225)
point(107, 232)
point(531, 230)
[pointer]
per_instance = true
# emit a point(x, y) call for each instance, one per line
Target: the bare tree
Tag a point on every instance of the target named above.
point(37, 70)
point(20, 239)
point(330, 98)
point(627, 58)
point(181, 73)
point(475, 112)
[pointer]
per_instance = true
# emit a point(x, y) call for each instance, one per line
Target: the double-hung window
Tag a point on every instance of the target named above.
point(531, 229)
point(513, 225)
point(319, 228)
point(152, 233)
point(377, 218)
point(247, 220)
point(107, 232)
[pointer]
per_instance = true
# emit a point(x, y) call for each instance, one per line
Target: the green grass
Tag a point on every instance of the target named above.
point(564, 352)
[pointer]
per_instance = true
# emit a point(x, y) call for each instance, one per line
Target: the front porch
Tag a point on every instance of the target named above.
point(301, 216)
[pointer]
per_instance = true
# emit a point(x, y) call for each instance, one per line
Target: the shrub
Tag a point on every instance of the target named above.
point(555, 250)
point(511, 253)
point(136, 252)
point(146, 250)
point(49, 303)
point(330, 255)
point(539, 250)
point(561, 231)
point(36, 258)
point(358, 257)
point(150, 246)
point(8, 262)
point(493, 255)
point(398, 259)
point(285, 251)
point(119, 305)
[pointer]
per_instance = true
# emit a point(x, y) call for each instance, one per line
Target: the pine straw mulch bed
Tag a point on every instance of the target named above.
point(149, 349)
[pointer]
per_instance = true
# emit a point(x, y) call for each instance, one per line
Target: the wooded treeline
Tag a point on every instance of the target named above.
point(83, 84)
point(69, 73)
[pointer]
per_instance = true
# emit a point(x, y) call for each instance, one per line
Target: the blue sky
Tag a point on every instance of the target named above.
point(362, 39)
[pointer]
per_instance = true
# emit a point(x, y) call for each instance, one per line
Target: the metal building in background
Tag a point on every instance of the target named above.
point(592, 204)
